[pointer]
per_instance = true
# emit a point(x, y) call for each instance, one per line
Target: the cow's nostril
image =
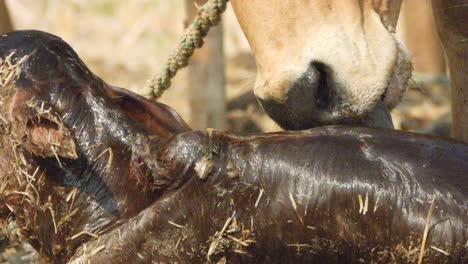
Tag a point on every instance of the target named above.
point(311, 100)
point(323, 93)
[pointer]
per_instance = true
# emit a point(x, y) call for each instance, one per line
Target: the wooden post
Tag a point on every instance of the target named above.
point(420, 37)
point(5, 21)
point(451, 18)
point(205, 78)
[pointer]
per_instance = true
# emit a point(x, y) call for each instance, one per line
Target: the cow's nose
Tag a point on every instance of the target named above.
point(316, 83)
point(309, 102)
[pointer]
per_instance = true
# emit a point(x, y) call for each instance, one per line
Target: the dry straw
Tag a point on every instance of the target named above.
point(22, 181)
point(426, 231)
point(9, 71)
point(14, 176)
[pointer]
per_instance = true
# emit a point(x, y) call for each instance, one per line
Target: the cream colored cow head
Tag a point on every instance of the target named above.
point(325, 62)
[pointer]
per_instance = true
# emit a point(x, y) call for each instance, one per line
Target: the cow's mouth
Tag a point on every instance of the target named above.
point(384, 95)
point(379, 117)
point(398, 80)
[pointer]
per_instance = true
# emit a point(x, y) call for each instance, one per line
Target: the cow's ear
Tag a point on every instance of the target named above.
point(156, 117)
point(38, 128)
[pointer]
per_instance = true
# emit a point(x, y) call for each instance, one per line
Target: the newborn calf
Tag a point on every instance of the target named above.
point(92, 172)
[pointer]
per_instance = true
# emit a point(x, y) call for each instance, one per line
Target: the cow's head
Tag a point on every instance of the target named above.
point(325, 61)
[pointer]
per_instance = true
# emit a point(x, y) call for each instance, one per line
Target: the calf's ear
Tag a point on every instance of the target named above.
point(156, 117)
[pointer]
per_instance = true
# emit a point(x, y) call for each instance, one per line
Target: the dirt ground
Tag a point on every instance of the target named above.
point(126, 42)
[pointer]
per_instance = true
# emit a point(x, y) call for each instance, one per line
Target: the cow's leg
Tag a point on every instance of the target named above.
point(5, 21)
point(451, 17)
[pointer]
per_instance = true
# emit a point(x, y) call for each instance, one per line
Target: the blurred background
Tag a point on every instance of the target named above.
point(127, 42)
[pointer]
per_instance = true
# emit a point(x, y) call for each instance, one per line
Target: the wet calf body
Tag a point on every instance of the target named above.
point(136, 185)
point(332, 194)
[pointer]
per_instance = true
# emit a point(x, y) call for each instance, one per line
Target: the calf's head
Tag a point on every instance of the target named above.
point(325, 62)
point(77, 155)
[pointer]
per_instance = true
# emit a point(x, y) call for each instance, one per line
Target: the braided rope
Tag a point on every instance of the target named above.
point(208, 16)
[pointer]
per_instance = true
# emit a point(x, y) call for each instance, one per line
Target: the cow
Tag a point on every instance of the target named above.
point(93, 173)
point(323, 62)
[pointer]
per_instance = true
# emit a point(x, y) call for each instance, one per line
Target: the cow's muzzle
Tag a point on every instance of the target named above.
point(312, 101)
